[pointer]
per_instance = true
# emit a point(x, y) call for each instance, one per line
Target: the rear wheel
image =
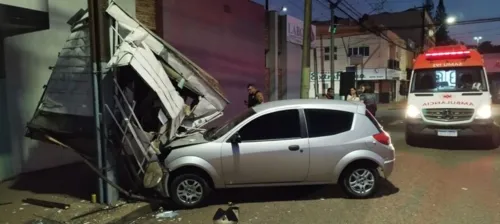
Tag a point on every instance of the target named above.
point(360, 181)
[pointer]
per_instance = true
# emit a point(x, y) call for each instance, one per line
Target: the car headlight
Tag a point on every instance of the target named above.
point(484, 112)
point(412, 111)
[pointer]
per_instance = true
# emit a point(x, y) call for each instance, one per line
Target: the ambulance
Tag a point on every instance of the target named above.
point(449, 97)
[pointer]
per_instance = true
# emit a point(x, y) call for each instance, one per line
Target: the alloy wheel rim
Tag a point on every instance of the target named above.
point(189, 191)
point(361, 181)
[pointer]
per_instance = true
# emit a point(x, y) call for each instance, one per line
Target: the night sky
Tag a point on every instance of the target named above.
point(461, 9)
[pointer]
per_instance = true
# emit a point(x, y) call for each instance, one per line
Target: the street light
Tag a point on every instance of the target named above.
point(284, 9)
point(477, 39)
point(448, 21)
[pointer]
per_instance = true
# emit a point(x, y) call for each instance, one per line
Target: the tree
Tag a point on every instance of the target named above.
point(429, 4)
point(442, 37)
point(488, 47)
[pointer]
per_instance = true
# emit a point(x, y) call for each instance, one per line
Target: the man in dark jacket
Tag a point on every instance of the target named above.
point(370, 99)
point(255, 97)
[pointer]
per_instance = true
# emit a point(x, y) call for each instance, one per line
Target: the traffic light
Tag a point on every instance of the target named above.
point(333, 25)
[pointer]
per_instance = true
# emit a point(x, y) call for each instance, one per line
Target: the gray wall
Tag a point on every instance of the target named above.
point(293, 70)
point(28, 57)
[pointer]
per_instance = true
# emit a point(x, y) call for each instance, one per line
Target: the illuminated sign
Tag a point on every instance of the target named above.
point(450, 64)
point(458, 103)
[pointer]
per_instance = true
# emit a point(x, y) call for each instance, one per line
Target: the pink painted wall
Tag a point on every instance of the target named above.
point(224, 37)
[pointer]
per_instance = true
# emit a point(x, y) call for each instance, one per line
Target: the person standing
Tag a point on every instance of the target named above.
point(369, 99)
point(255, 97)
point(353, 95)
point(329, 94)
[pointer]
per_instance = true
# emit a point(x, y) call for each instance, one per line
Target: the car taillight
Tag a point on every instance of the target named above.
point(383, 138)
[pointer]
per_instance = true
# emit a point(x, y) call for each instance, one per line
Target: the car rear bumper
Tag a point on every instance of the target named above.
point(388, 168)
point(476, 128)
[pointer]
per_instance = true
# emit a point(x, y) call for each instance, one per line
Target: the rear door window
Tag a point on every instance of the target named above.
point(373, 120)
point(324, 122)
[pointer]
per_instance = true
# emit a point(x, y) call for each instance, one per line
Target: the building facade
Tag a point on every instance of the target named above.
point(376, 62)
point(29, 46)
point(225, 38)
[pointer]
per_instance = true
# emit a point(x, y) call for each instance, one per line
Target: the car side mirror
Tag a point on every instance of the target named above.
point(235, 139)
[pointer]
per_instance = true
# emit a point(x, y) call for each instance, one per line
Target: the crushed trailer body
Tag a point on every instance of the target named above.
point(160, 97)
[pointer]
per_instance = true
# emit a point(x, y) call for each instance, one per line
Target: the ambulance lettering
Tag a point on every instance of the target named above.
point(436, 103)
point(450, 64)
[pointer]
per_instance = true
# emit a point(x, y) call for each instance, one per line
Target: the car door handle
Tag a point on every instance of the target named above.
point(293, 147)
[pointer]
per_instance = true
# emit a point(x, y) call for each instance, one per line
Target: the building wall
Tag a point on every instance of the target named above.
point(224, 37)
point(39, 5)
point(27, 58)
point(375, 63)
point(293, 70)
point(146, 13)
point(380, 51)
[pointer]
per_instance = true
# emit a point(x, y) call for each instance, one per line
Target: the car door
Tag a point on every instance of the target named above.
point(330, 139)
point(273, 149)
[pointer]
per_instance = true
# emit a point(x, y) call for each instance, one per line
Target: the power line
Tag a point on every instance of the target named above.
point(376, 32)
point(475, 31)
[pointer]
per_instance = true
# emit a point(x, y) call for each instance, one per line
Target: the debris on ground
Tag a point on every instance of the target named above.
point(228, 216)
point(5, 203)
point(166, 215)
point(47, 204)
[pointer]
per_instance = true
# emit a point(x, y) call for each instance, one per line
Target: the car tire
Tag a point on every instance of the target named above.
point(189, 190)
point(353, 185)
point(492, 141)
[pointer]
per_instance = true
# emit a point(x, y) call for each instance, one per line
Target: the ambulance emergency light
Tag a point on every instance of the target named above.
point(447, 55)
point(448, 52)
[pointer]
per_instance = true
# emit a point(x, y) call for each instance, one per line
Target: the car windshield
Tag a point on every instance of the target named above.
point(461, 79)
point(230, 124)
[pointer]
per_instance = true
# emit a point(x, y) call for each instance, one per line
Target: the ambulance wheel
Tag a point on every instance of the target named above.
point(493, 139)
point(411, 140)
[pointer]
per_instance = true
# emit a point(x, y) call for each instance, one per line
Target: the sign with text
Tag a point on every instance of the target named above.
point(295, 30)
point(325, 77)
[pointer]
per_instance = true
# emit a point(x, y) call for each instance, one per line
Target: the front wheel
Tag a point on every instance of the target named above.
point(360, 182)
point(492, 141)
point(411, 139)
point(189, 190)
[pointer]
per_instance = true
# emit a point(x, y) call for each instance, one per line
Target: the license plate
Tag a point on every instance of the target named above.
point(447, 133)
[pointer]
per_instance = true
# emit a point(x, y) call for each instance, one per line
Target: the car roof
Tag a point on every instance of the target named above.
point(310, 103)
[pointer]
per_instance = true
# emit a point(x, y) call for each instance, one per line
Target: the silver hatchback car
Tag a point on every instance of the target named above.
point(282, 143)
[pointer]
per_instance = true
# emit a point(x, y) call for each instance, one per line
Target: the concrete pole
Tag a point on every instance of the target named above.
point(316, 75)
point(102, 93)
point(332, 47)
point(322, 64)
point(306, 48)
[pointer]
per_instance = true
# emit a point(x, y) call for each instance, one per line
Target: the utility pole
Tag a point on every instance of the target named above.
point(100, 54)
point(322, 64)
point(332, 46)
point(424, 11)
point(316, 75)
point(306, 50)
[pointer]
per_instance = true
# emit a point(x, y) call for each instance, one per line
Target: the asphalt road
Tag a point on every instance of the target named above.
point(449, 184)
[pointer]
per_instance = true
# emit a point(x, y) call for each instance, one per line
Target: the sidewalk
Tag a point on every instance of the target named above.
point(70, 184)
